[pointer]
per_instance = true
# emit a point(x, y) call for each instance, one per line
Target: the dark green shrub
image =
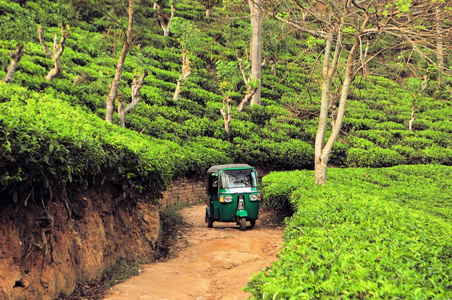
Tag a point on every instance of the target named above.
point(442, 139)
point(444, 126)
point(390, 126)
point(438, 155)
point(338, 156)
point(375, 157)
point(260, 115)
point(417, 142)
point(358, 124)
point(380, 138)
point(278, 188)
point(357, 142)
point(412, 156)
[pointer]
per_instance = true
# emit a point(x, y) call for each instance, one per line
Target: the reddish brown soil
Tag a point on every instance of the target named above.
point(211, 263)
point(44, 253)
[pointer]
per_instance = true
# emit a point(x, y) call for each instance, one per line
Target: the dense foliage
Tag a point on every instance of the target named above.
point(44, 154)
point(278, 135)
point(370, 233)
point(381, 233)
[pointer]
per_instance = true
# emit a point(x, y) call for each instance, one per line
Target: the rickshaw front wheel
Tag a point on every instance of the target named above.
point(242, 224)
point(252, 222)
point(209, 222)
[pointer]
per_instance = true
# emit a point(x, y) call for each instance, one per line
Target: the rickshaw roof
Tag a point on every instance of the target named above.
point(216, 169)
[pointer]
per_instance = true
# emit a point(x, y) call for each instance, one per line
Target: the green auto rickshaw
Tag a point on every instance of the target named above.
point(233, 195)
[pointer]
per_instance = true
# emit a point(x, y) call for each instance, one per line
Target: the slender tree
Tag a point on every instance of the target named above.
point(347, 28)
point(252, 85)
point(16, 56)
point(19, 29)
point(256, 15)
point(208, 5)
point(439, 36)
point(137, 84)
point(57, 51)
point(163, 20)
point(127, 42)
point(186, 71)
point(226, 112)
point(253, 81)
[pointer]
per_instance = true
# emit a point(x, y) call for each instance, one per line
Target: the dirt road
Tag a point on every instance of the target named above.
point(212, 263)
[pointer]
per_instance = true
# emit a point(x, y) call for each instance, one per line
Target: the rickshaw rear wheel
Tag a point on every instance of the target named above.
point(242, 224)
point(252, 222)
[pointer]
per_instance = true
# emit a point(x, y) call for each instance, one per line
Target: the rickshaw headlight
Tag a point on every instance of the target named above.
point(255, 197)
point(226, 199)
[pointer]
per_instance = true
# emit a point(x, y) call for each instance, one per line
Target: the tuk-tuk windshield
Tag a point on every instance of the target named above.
point(238, 179)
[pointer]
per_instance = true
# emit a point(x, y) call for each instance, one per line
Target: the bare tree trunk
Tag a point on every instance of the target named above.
point(251, 91)
point(247, 98)
point(186, 71)
point(322, 152)
point(439, 39)
point(58, 51)
point(328, 72)
point(137, 84)
point(120, 66)
point(207, 12)
point(410, 124)
point(256, 47)
point(166, 25)
point(227, 116)
point(16, 57)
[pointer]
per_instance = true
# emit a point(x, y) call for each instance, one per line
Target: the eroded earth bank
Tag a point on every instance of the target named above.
point(210, 263)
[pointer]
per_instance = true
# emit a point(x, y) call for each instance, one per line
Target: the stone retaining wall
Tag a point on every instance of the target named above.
point(185, 191)
point(189, 191)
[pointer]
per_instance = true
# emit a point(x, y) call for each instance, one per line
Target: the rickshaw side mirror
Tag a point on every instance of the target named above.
point(215, 183)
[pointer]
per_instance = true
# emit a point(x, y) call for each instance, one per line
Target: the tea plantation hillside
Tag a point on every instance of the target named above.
point(369, 233)
point(278, 135)
point(388, 236)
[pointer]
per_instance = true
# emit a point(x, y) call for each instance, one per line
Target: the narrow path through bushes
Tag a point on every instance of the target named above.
point(211, 263)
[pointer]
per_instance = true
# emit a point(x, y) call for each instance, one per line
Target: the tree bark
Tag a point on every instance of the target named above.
point(410, 124)
point(120, 65)
point(439, 39)
point(322, 151)
point(186, 71)
point(328, 72)
point(250, 90)
point(58, 51)
point(256, 47)
point(16, 57)
point(166, 25)
point(246, 98)
point(227, 116)
point(137, 84)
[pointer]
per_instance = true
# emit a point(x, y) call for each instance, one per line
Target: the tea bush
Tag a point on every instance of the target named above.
point(353, 239)
point(374, 157)
point(279, 134)
point(417, 142)
point(40, 152)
